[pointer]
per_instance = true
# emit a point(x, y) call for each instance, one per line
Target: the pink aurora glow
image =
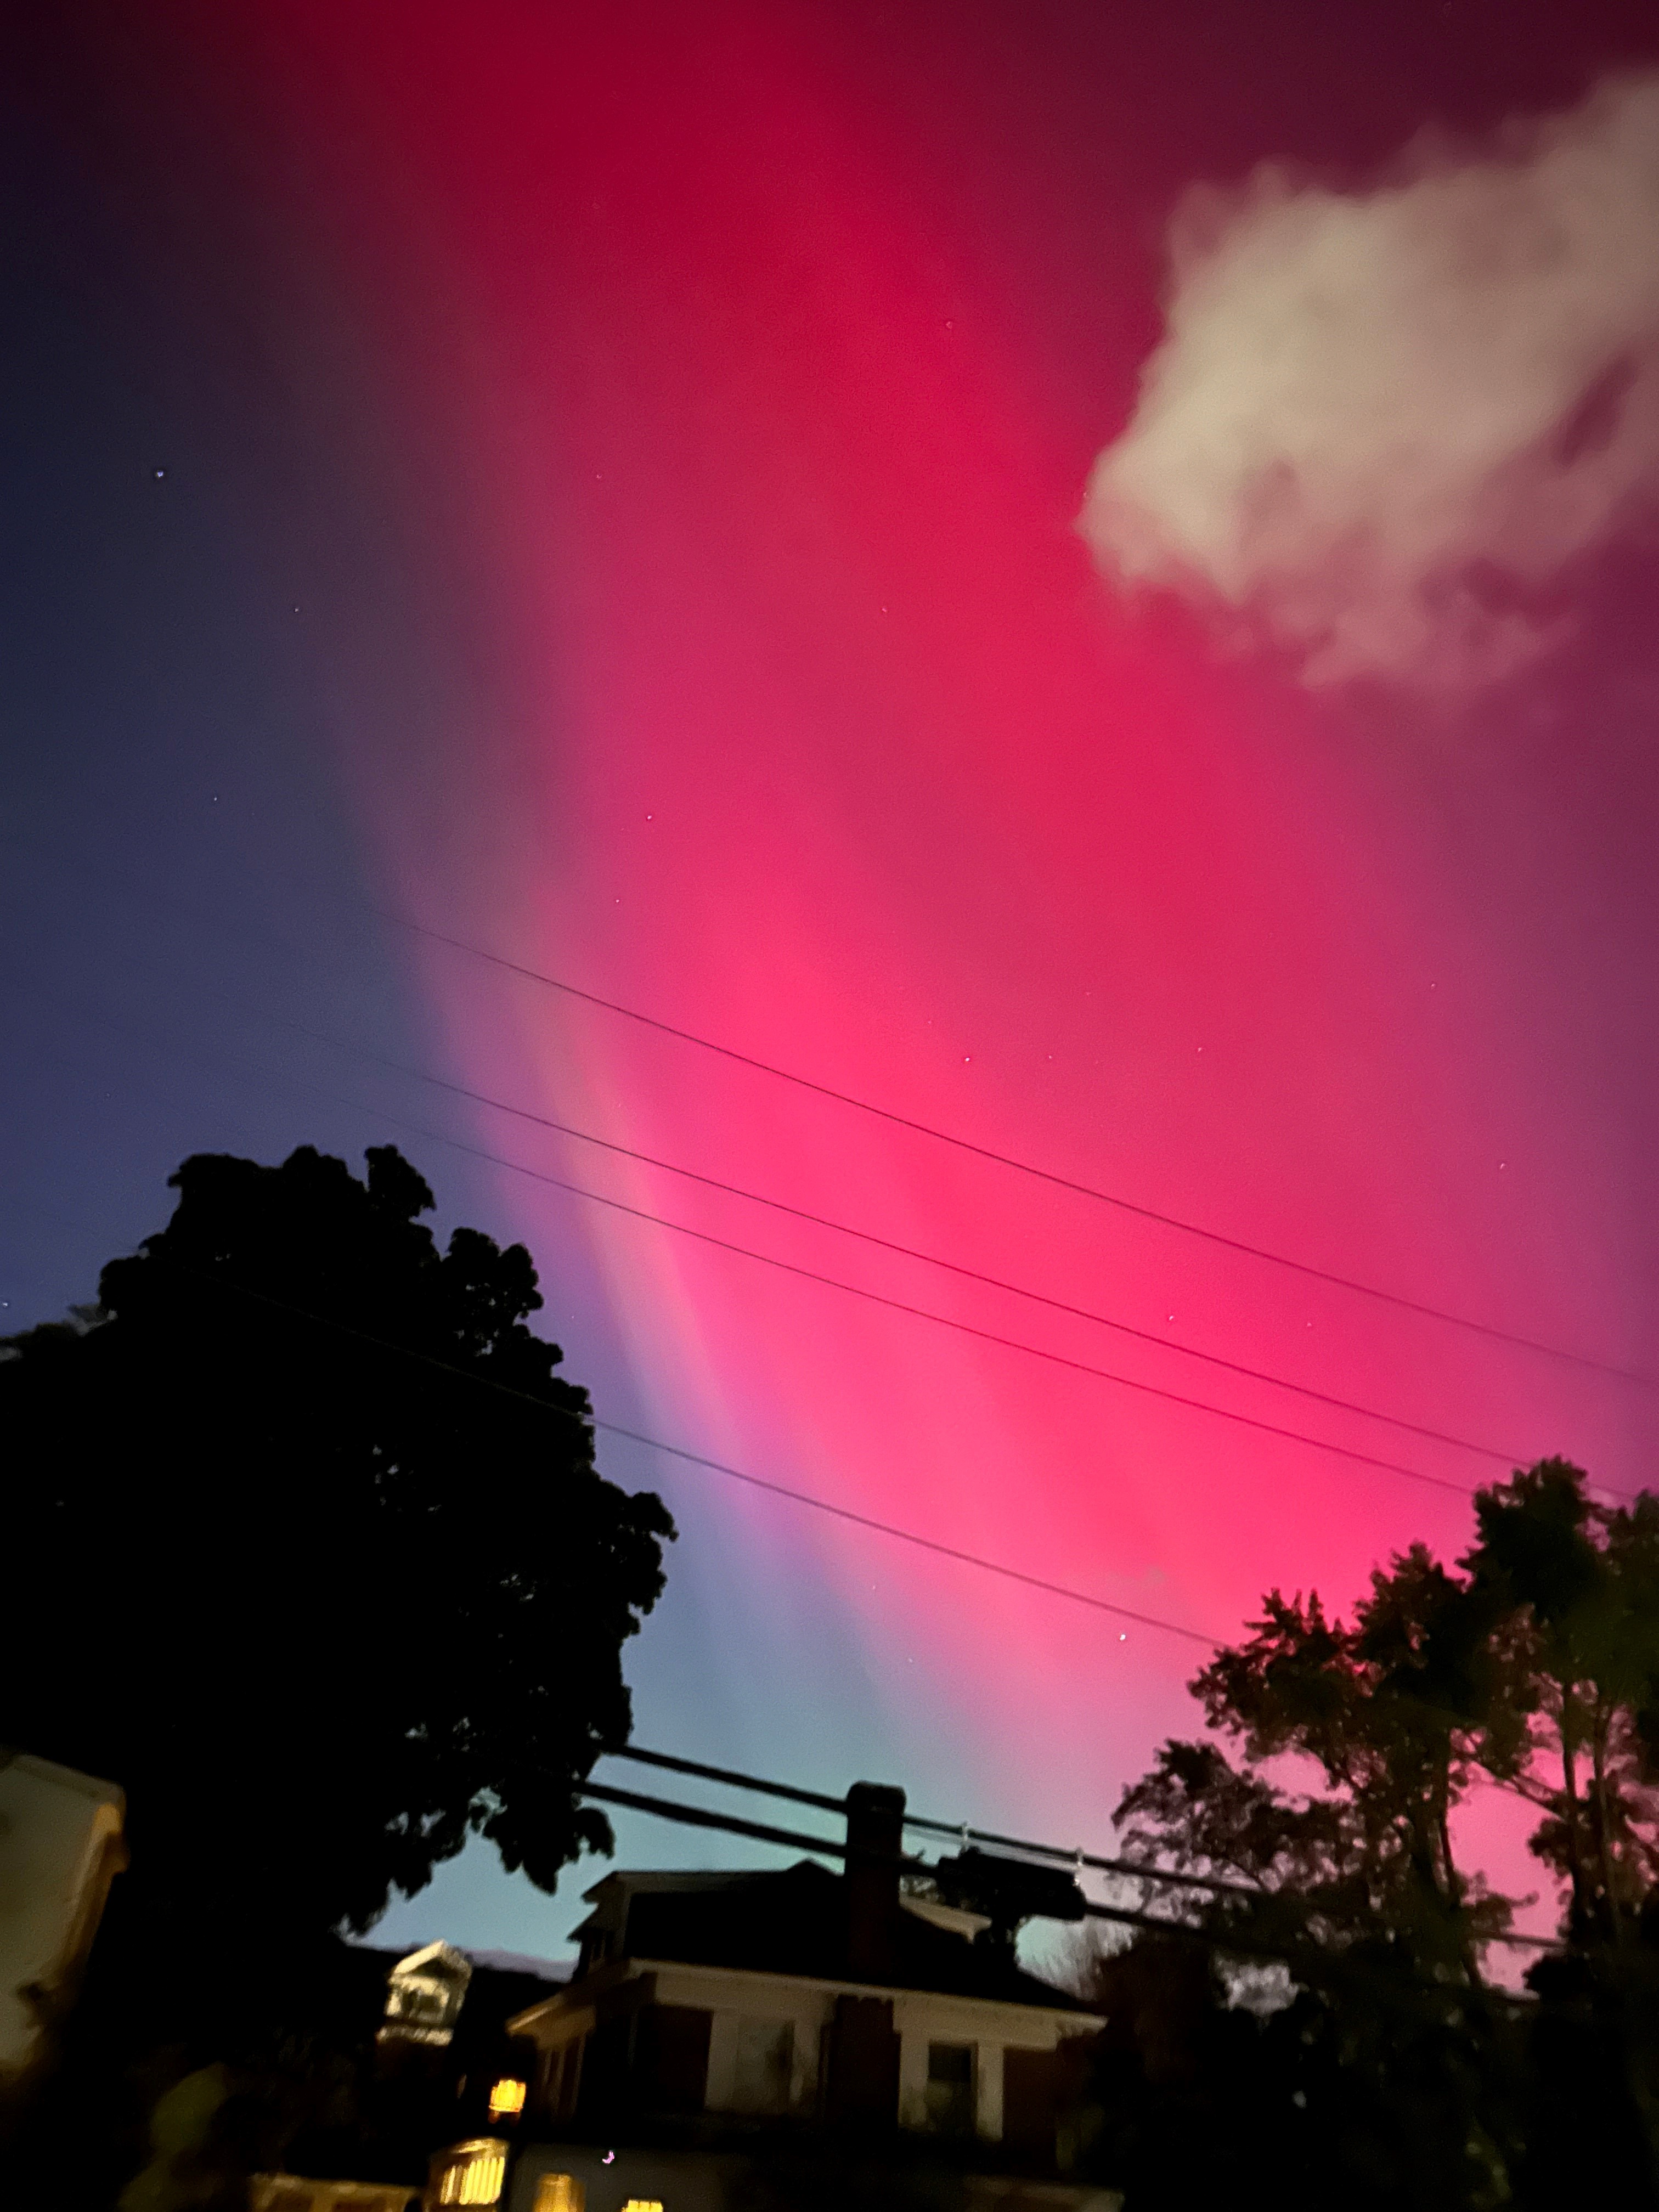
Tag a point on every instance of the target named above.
point(801, 720)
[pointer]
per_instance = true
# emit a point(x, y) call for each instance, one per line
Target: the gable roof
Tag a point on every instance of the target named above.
point(796, 1922)
point(439, 1960)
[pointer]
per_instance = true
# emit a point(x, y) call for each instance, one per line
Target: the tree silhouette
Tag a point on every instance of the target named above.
point(308, 1552)
point(1392, 1713)
point(1576, 1587)
point(1394, 2073)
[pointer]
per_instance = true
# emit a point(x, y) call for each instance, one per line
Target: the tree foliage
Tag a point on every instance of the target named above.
point(1574, 1586)
point(1321, 1808)
point(308, 1551)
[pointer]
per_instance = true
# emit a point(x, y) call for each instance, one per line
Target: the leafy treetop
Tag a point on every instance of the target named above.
point(309, 1551)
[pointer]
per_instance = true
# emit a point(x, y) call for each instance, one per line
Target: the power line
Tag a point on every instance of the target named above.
point(734, 1779)
point(922, 1313)
point(1147, 1336)
point(712, 1465)
point(697, 1816)
point(905, 1306)
point(922, 1543)
point(946, 1321)
point(693, 1816)
point(1132, 1869)
point(698, 1459)
point(1023, 1167)
point(845, 1513)
point(905, 1251)
point(1079, 1189)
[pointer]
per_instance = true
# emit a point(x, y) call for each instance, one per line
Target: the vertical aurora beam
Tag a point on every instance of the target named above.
point(778, 697)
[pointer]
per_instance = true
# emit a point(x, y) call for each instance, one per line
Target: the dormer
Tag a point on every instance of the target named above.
point(424, 1995)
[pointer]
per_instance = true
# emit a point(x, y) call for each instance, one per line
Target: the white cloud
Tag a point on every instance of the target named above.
point(1381, 425)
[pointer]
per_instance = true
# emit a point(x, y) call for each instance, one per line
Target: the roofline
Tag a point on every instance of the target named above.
point(699, 1877)
point(448, 1952)
point(832, 1983)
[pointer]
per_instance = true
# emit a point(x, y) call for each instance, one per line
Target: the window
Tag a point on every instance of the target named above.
point(560, 2193)
point(506, 2099)
point(642, 2204)
point(765, 2061)
point(424, 1995)
point(950, 2088)
point(473, 2173)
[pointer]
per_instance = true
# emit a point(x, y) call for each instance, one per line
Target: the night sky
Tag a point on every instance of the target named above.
point(1086, 575)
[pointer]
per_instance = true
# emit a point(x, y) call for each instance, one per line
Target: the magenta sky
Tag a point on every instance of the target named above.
point(724, 382)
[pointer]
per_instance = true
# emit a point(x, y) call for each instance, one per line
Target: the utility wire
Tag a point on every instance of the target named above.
point(1079, 1189)
point(733, 1778)
point(922, 1543)
point(904, 1251)
point(693, 1816)
point(958, 1831)
point(1148, 1336)
point(946, 1321)
point(901, 1306)
point(711, 1465)
point(1133, 1870)
point(1024, 1167)
point(698, 1459)
point(1151, 1391)
point(697, 1816)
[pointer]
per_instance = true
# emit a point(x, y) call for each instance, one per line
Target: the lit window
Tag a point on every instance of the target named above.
point(642, 2204)
point(560, 2193)
point(473, 2174)
point(506, 2099)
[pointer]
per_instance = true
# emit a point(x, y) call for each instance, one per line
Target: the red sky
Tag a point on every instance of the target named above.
point(721, 384)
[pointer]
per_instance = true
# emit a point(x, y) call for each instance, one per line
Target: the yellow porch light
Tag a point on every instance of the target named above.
point(506, 2099)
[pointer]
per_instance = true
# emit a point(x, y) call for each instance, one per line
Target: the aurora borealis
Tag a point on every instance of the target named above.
point(604, 486)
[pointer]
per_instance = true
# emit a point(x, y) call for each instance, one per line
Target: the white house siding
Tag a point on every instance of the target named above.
point(920, 2017)
point(733, 1996)
point(60, 1847)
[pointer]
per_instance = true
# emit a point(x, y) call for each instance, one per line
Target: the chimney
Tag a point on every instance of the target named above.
point(875, 1839)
